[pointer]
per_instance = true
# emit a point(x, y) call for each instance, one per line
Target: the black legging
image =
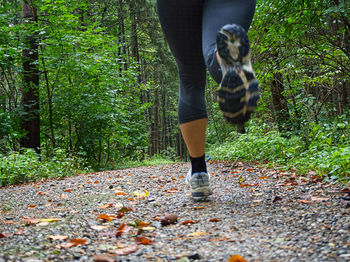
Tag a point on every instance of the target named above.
point(190, 27)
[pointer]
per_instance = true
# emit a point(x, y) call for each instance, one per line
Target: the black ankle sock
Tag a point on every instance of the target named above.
point(198, 164)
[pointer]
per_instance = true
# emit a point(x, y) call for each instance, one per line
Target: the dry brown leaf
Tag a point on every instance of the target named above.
point(247, 185)
point(123, 228)
point(143, 240)
point(41, 193)
point(105, 206)
point(172, 190)
point(319, 199)
point(104, 217)
point(30, 221)
point(57, 237)
point(197, 234)
point(68, 190)
point(102, 258)
point(123, 251)
point(236, 258)
point(99, 227)
point(31, 206)
point(168, 219)
point(214, 220)
point(304, 201)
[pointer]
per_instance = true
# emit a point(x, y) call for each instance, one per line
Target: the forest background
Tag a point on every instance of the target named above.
point(91, 85)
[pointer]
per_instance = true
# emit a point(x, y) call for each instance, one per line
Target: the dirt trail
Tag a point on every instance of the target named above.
point(260, 214)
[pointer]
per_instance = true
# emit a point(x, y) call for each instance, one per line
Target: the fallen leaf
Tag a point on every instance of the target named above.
point(64, 196)
point(236, 258)
point(32, 206)
point(125, 209)
point(123, 251)
point(140, 193)
point(277, 198)
point(77, 241)
point(120, 214)
point(189, 222)
point(123, 228)
point(68, 190)
point(214, 220)
point(105, 206)
point(249, 169)
point(50, 220)
point(172, 190)
point(319, 199)
point(247, 185)
point(143, 240)
point(304, 201)
point(102, 258)
point(96, 182)
point(181, 177)
point(104, 217)
point(143, 224)
point(119, 193)
point(197, 234)
point(263, 177)
point(198, 207)
point(168, 219)
point(41, 193)
point(30, 221)
point(57, 237)
point(98, 228)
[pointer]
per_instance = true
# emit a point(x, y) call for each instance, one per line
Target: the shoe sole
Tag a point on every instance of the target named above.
point(238, 92)
point(201, 193)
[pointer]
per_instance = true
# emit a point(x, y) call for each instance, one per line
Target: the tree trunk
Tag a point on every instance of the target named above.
point(30, 122)
point(280, 103)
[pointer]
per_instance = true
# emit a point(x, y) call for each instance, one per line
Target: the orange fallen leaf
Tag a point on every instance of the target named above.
point(263, 177)
point(123, 251)
point(32, 206)
point(249, 170)
point(96, 182)
point(214, 220)
point(143, 240)
point(41, 193)
point(189, 222)
point(78, 241)
point(198, 207)
point(68, 190)
point(181, 177)
point(104, 217)
point(247, 185)
point(119, 193)
point(236, 258)
point(143, 224)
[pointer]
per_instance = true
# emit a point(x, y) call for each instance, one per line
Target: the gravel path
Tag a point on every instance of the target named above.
point(260, 214)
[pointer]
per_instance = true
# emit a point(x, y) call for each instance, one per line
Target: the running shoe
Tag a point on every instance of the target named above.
point(199, 184)
point(238, 92)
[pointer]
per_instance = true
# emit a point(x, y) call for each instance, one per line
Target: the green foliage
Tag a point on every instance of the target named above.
point(322, 153)
point(24, 167)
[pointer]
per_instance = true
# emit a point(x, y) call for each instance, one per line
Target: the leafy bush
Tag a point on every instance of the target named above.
point(24, 167)
point(326, 151)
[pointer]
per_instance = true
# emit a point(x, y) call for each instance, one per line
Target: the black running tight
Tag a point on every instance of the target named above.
point(190, 27)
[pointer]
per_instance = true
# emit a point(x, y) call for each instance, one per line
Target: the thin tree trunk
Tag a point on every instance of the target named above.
point(280, 103)
point(30, 93)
